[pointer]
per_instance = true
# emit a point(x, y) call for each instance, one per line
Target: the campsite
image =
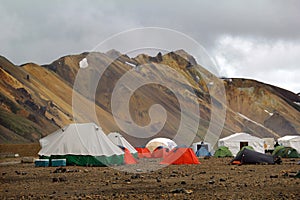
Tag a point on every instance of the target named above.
point(214, 178)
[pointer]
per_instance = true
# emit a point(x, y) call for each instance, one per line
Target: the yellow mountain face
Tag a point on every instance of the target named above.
point(36, 100)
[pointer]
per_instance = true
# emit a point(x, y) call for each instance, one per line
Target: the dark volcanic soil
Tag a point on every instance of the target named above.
point(212, 179)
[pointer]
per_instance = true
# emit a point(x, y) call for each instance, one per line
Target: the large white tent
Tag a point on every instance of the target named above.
point(81, 144)
point(236, 141)
point(164, 142)
point(119, 140)
point(290, 141)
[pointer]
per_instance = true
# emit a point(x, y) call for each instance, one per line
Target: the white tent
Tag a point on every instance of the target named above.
point(156, 142)
point(236, 141)
point(119, 140)
point(196, 146)
point(81, 144)
point(290, 141)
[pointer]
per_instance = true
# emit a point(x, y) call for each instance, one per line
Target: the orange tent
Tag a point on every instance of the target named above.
point(143, 152)
point(179, 156)
point(128, 157)
point(160, 152)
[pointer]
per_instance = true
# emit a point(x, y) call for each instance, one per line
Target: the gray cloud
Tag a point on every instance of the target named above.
point(43, 31)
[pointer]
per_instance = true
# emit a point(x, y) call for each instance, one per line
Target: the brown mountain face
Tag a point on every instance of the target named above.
point(36, 100)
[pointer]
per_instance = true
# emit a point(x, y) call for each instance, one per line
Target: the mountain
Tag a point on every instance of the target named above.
point(36, 100)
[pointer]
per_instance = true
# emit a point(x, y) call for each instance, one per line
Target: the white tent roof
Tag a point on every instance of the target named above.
point(233, 142)
point(290, 137)
point(119, 140)
point(79, 139)
point(156, 142)
point(239, 137)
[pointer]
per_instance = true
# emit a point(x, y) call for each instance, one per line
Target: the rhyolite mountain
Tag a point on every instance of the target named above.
point(36, 100)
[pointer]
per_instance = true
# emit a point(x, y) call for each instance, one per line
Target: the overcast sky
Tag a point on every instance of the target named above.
point(258, 39)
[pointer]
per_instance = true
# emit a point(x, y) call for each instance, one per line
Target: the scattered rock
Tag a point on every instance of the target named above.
point(3, 173)
point(139, 170)
point(203, 172)
point(274, 176)
point(183, 182)
point(181, 190)
point(60, 170)
point(71, 171)
point(135, 176)
point(222, 180)
point(211, 182)
point(128, 181)
point(59, 179)
point(158, 180)
point(62, 179)
point(17, 172)
point(55, 179)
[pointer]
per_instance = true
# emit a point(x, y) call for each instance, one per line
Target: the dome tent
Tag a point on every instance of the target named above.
point(285, 152)
point(81, 144)
point(164, 142)
point(160, 152)
point(143, 152)
point(222, 152)
point(197, 145)
point(202, 152)
point(180, 156)
point(119, 140)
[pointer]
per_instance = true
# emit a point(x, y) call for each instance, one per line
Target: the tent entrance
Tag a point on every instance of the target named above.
point(202, 145)
point(242, 144)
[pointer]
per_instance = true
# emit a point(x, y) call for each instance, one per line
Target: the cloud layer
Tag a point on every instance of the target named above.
point(254, 39)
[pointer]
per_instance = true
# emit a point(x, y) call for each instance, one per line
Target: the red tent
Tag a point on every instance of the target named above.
point(179, 156)
point(160, 152)
point(143, 152)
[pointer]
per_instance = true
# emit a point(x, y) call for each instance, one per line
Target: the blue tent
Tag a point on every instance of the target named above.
point(202, 152)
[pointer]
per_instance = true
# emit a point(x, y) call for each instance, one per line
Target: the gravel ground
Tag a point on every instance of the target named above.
point(212, 179)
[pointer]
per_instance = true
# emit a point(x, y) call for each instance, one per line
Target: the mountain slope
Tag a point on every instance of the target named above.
point(36, 100)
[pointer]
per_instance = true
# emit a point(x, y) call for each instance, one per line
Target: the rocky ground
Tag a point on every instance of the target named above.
point(212, 179)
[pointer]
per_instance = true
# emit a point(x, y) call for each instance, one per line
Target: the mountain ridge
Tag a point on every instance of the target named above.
point(40, 98)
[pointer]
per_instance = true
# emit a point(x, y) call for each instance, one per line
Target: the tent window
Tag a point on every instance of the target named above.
point(242, 144)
